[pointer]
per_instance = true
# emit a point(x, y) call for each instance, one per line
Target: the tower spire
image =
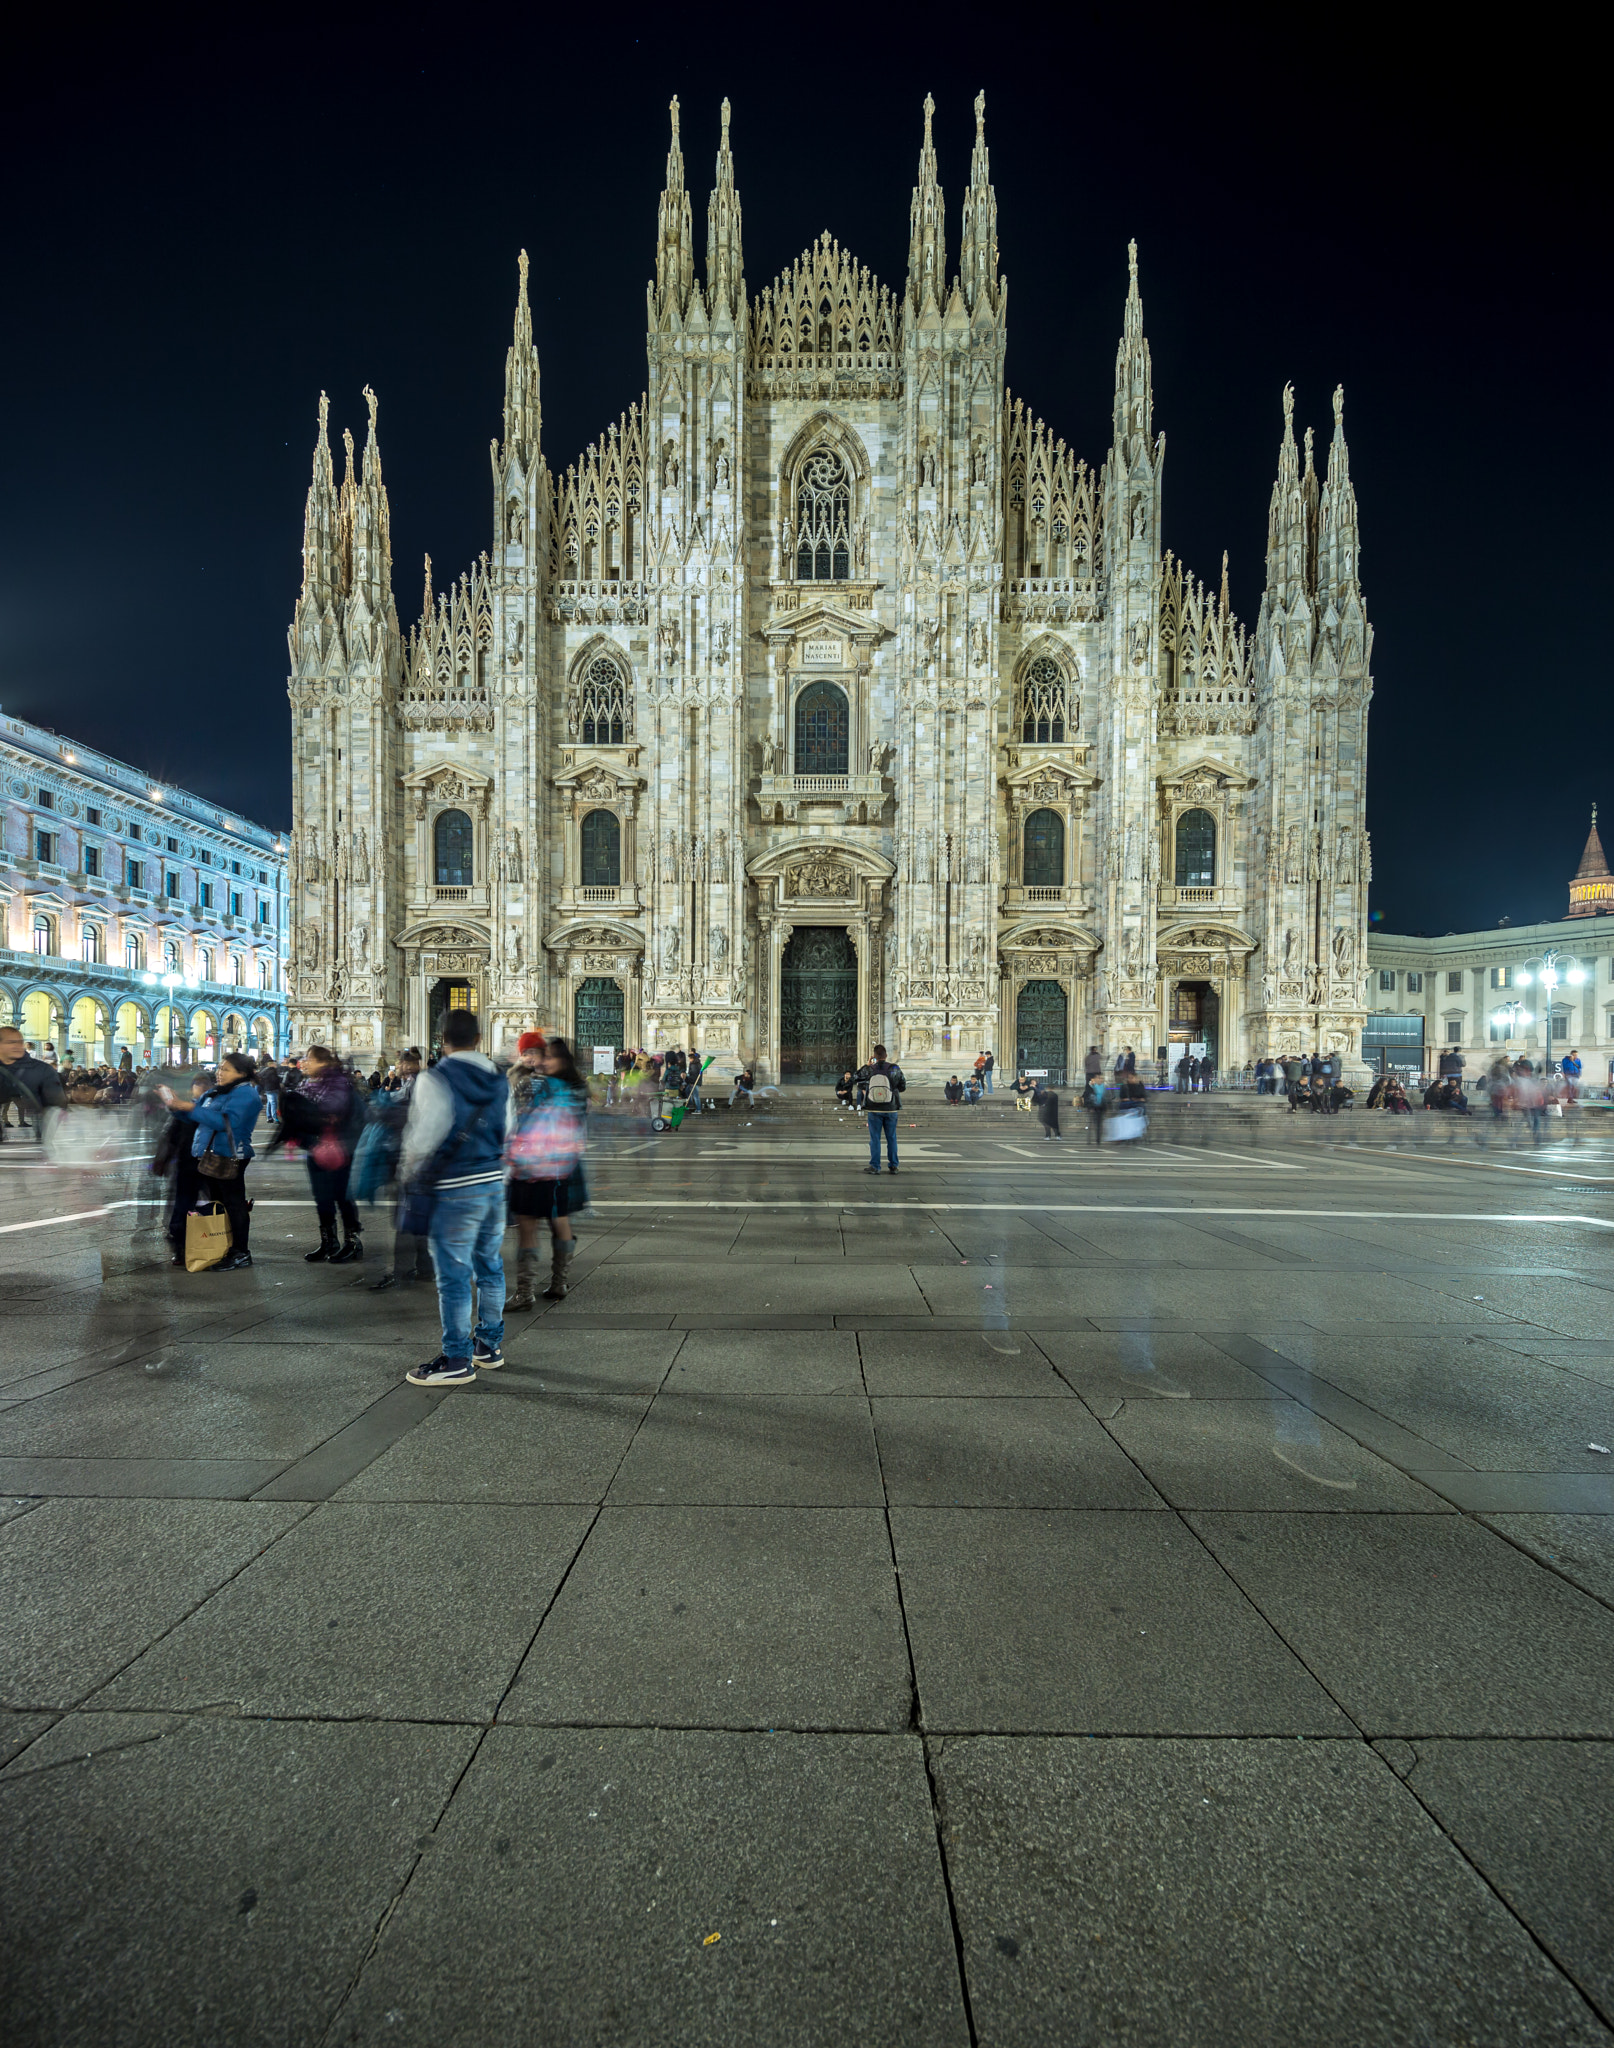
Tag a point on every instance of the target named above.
point(927, 231)
point(1288, 520)
point(724, 268)
point(675, 240)
point(1339, 538)
point(1134, 375)
point(1591, 893)
point(319, 517)
point(978, 245)
point(523, 415)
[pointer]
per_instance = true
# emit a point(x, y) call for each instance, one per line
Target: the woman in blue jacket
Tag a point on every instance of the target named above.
point(224, 1120)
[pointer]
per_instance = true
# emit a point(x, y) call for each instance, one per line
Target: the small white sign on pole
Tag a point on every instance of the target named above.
point(605, 1059)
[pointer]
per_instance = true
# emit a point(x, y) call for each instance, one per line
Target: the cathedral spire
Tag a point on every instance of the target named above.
point(1134, 381)
point(319, 517)
point(367, 520)
point(675, 239)
point(978, 247)
point(1288, 521)
point(724, 267)
point(1340, 547)
point(927, 231)
point(1591, 893)
point(523, 416)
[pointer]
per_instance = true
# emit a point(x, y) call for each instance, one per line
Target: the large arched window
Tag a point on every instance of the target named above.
point(823, 518)
point(823, 737)
point(1042, 713)
point(453, 848)
point(1196, 850)
point(602, 850)
point(44, 933)
point(1043, 866)
point(600, 712)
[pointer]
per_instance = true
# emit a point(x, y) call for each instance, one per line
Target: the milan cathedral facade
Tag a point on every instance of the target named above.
point(828, 698)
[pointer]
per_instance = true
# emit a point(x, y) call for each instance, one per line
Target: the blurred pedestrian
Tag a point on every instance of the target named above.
point(325, 1114)
point(548, 1131)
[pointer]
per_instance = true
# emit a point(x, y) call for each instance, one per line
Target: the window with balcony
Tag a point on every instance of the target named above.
point(452, 843)
point(205, 957)
point(134, 874)
point(92, 861)
point(205, 894)
point(265, 976)
point(1043, 843)
point(601, 840)
point(171, 958)
point(91, 945)
point(235, 902)
point(44, 933)
point(134, 955)
point(238, 971)
point(823, 731)
point(170, 883)
point(1196, 850)
point(45, 845)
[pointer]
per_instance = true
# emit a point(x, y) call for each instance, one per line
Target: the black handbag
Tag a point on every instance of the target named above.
point(220, 1166)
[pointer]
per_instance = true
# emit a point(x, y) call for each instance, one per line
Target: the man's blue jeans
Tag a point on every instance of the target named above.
point(986, 1076)
point(467, 1241)
point(887, 1117)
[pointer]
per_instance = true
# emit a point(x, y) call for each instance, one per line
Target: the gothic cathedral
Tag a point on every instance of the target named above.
point(829, 698)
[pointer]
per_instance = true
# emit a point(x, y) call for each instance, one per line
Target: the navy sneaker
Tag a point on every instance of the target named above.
point(443, 1372)
point(486, 1355)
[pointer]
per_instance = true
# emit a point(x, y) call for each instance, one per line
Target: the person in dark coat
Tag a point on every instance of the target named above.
point(174, 1157)
point(32, 1084)
point(223, 1120)
point(325, 1115)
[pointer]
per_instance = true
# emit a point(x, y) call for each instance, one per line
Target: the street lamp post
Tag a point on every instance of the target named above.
point(1549, 976)
point(1512, 1014)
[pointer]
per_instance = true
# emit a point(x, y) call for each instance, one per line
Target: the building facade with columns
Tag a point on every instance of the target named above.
point(829, 697)
point(136, 916)
point(1536, 991)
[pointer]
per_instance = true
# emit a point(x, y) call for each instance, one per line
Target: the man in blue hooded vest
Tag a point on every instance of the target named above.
point(453, 1162)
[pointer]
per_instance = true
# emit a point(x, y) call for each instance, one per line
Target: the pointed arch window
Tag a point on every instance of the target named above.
point(822, 520)
point(1196, 850)
point(452, 842)
point(602, 850)
point(600, 711)
point(1042, 714)
point(823, 731)
point(1043, 862)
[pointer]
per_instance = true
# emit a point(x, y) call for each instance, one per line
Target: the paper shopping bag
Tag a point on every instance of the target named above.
point(207, 1238)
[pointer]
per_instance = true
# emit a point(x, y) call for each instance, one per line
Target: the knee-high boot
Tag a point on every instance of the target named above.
point(526, 1294)
point(327, 1246)
point(560, 1259)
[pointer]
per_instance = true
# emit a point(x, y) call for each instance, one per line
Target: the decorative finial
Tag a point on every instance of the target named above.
point(1308, 447)
point(930, 108)
point(1132, 261)
point(324, 414)
point(725, 124)
point(521, 265)
point(370, 401)
point(980, 117)
point(1226, 605)
point(673, 109)
point(1288, 405)
point(1339, 404)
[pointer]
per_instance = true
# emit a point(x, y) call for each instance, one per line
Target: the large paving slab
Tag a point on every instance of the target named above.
point(580, 1874)
point(1426, 1624)
point(983, 1452)
point(724, 1617)
point(86, 1585)
point(991, 1362)
point(1531, 1815)
point(1090, 1623)
point(503, 1440)
point(370, 1609)
point(712, 1448)
point(1179, 1894)
point(219, 1882)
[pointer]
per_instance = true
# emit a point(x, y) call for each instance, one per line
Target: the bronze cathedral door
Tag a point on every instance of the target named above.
point(818, 1005)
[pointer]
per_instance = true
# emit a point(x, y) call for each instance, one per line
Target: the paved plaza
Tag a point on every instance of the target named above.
point(1043, 1597)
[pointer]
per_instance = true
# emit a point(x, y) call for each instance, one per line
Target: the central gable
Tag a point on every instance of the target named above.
point(825, 328)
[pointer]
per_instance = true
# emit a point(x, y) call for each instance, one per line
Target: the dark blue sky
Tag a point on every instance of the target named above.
point(204, 232)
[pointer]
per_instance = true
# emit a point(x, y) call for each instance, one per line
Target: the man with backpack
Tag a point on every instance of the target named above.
point(453, 1167)
point(882, 1082)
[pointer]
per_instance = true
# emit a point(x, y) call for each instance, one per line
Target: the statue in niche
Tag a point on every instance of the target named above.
point(722, 468)
point(720, 857)
point(920, 947)
point(927, 465)
point(308, 946)
point(513, 628)
point(1132, 948)
point(1130, 869)
point(720, 944)
point(1290, 946)
point(669, 947)
point(978, 461)
point(515, 523)
point(512, 856)
point(361, 858)
point(770, 756)
point(311, 867)
point(514, 950)
point(358, 948)
point(669, 466)
point(1314, 985)
point(1139, 518)
point(1344, 953)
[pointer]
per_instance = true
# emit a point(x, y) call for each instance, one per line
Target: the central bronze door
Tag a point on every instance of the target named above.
point(818, 1005)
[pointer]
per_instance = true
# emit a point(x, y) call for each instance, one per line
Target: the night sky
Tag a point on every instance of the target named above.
point(202, 235)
